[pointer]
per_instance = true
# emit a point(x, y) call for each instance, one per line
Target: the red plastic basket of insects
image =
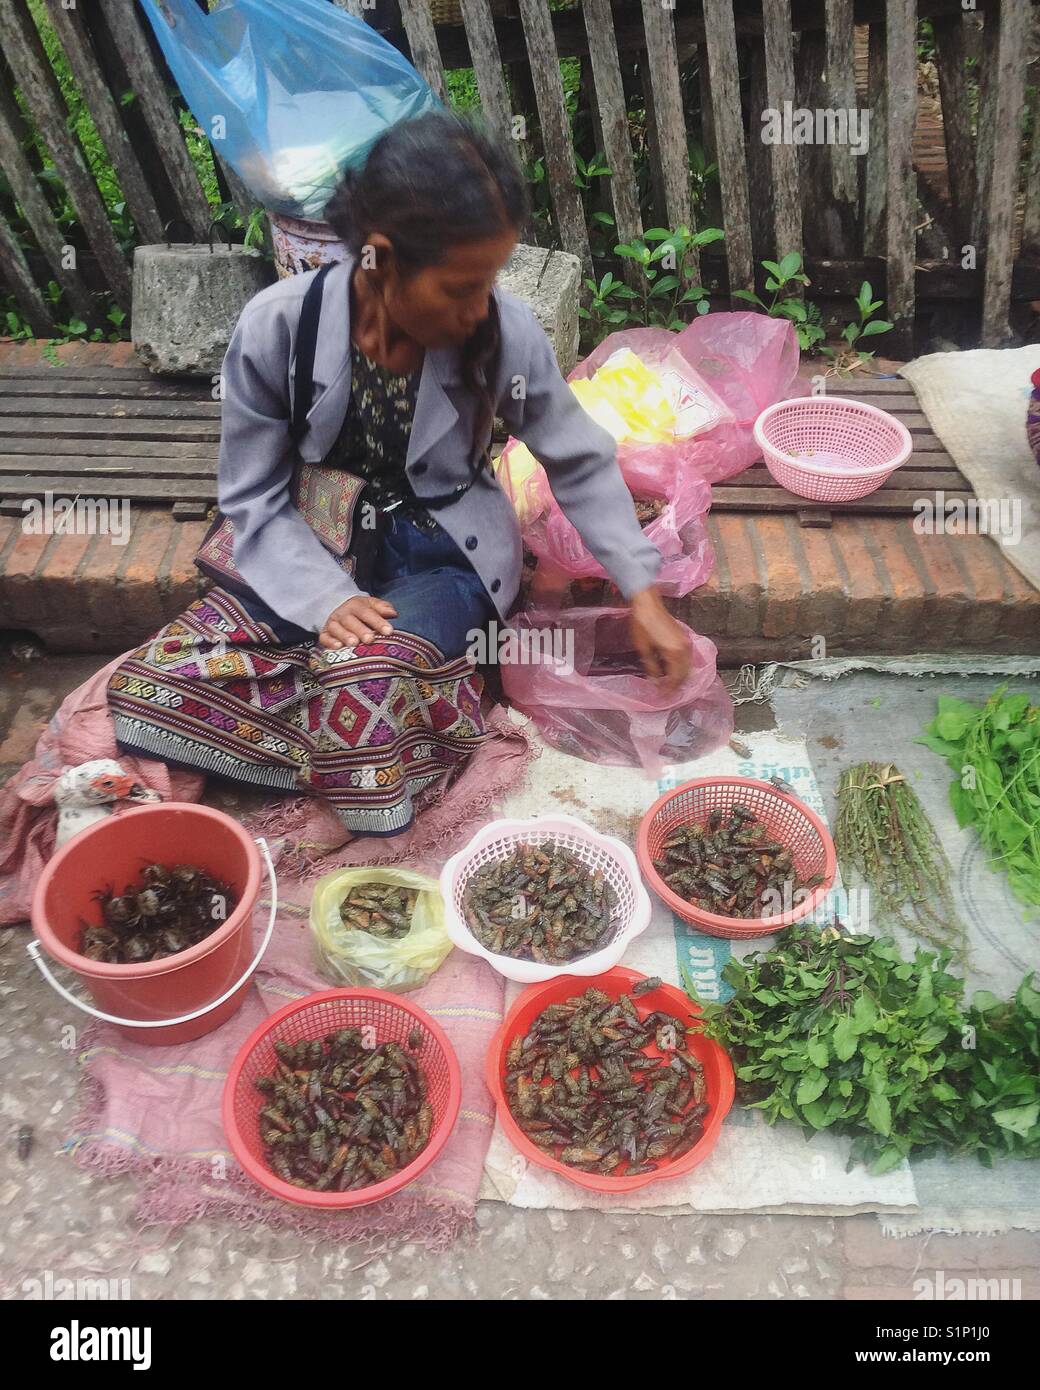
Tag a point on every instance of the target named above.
point(715, 1073)
point(788, 821)
point(381, 1018)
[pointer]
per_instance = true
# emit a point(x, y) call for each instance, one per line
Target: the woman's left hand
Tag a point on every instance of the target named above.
point(662, 643)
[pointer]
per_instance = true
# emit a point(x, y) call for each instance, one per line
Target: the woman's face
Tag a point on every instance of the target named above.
point(442, 305)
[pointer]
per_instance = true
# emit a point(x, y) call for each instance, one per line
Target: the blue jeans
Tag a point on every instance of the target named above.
point(436, 591)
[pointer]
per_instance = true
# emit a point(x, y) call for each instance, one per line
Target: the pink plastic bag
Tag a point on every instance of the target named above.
point(749, 360)
point(715, 453)
point(588, 695)
point(678, 533)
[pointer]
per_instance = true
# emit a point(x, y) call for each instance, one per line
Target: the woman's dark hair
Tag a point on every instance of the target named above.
point(427, 185)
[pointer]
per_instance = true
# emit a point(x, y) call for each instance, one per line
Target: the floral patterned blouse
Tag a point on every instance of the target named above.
point(373, 443)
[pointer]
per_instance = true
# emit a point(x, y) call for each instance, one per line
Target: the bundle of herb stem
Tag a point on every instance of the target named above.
point(884, 834)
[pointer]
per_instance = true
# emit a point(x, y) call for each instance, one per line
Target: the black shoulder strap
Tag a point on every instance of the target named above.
point(306, 339)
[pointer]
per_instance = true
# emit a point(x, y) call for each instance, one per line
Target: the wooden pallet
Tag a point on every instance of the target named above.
point(108, 432)
point(120, 432)
point(928, 470)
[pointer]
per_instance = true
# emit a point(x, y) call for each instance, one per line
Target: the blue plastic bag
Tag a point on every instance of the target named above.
point(291, 92)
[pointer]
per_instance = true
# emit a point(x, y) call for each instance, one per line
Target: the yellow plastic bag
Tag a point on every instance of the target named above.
point(625, 385)
point(351, 957)
point(625, 396)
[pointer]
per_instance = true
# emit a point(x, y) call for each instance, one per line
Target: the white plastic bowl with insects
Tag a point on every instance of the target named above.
point(544, 897)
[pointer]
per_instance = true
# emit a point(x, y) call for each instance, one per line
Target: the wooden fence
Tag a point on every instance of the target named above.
point(966, 234)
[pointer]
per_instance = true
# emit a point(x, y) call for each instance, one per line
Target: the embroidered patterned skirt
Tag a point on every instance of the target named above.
point(367, 727)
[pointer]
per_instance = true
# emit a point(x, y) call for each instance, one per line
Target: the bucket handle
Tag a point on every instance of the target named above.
point(33, 948)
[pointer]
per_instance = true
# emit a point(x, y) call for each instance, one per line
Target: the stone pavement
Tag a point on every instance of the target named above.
point(55, 1218)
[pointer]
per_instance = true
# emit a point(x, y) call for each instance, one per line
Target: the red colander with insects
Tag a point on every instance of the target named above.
point(613, 1130)
point(778, 816)
point(372, 1075)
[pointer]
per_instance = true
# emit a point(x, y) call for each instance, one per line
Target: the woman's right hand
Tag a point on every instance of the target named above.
point(360, 619)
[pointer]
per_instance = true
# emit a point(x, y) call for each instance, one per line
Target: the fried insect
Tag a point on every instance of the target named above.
point(645, 986)
point(540, 903)
point(382, 909)
point(731, 865)
point(24, 1142)
point(167, 911)
point(340, 1116)
point(582, 1084)
point(648, 508)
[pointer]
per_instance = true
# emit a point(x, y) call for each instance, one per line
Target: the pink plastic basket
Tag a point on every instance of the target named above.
point(392, 1020)
point(830, 449)
point(787, 819)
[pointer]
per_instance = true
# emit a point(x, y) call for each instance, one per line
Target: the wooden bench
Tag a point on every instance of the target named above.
point(120, 432)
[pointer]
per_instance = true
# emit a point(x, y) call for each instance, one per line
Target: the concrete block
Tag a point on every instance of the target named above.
point(550, 282)
point(186, 302)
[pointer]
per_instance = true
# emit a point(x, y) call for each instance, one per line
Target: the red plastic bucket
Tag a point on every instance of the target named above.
point(111, 854)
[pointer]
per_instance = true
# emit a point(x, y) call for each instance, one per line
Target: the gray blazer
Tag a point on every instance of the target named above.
point(280, 556)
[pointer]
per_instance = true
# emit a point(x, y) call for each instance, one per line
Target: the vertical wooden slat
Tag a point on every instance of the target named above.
point(1008, 97)
point(16, 272)
point(840, 90)
point(1031, 216)
point(556, 129)
point(985, 146)
point(39, 87)
point(783, 157)
point(422, 40)
point(36, 209)
point(950, 55)
point(613, 123)
point(652, 149)
point(813, 166)
point(901, 239)
point(713, 199)
point(125, 26)
point(875, 183)
point(721, 37)
point(487, 67)
point(71, 34)
point(662, 67)
point(763, 236)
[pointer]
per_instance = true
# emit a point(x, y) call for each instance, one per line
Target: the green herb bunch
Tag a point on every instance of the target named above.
point(1004, 1081)
point(994, 750)
point(883, 835)
point(840, 1032)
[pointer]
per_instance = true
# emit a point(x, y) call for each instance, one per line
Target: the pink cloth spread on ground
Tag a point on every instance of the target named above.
point(156, 1111)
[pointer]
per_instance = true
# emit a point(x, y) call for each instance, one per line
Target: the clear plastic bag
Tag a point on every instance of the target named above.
point(601, 706)
point(351, 957)
point(291, 93)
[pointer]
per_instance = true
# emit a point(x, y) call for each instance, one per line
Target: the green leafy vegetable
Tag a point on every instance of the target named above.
point(1004, 1080)
point(994, 752)
point(840, 1032)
